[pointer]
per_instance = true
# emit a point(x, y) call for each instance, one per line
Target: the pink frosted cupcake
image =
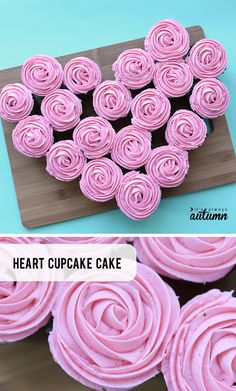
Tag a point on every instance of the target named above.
point(138, 195)
point(120, 337)
point(209, 98)
point(186, 130)
point(207, 58)
point(94, 136)
point(62, 108)
point(16, 102)
point(134, 68)
point(150, 109)
point(65, 161)
point(111, 100)
point(132, 147)
point(25, 307)
point(167, 40)
point(100, 179)
point(168, 166)
point(202, 353)
point(33, 136)
point(196, 259)
point(174, 78)
point(81, 75)
point(42, 74)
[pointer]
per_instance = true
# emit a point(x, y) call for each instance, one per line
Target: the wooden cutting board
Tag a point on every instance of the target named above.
point(44, 200)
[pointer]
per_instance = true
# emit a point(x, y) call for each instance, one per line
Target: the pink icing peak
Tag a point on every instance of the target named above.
point(16, 102)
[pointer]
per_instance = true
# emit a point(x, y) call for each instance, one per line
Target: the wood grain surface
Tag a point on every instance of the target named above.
point(43, 200)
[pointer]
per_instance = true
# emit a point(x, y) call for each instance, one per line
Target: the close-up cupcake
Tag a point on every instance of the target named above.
point(81, 74)
point(42, 74)
point(94, 136)
point(16, 102)
point(121, 334)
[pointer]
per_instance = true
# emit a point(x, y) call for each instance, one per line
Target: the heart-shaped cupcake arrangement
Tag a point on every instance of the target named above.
point(122, 165)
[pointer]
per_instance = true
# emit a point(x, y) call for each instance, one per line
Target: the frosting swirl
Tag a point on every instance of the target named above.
point(203, 350)
point(65, 161)
point(197, 259)
point(16, 102)
point(134, 68)
point(150, 109)
point(111, 100)
point(84, 240)
point(167, 40)
point(207, 58)
point(138, 195)
point(42, 74)
point(185, 130)
point(168, 165)
point(33, 136)
point(95, 137)
point(132, 147)
point(81, 75)
point(209, 98)
point(173, 78)
point(62, 108)
point(114, 335)
point(100, 179)
point(24, 308)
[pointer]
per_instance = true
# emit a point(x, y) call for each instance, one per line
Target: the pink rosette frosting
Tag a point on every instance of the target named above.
point(174, 78)
point(134, 68)
point(65, 161)
point(111, 100)
point(132, 147)
point(167, 40)
point(95, 137)
point(114, 336)
point(84, 240)
point(81, 75)
point(16, 102)
point(150, 109)
point(207, 58)
point(24, 308)
point(209, 98)
point(202, 353)
point(42, 74)
point(138, 195)
point(185, 130)
point(196, 259)
point(33, 136)
point(168, 165)
point(62, 108)
point(100, 179)
point(19, 239)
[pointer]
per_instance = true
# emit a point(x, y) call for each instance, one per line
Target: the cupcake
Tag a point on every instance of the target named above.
point(132, 147)
point(65, 161)
point(100, 179)
point(62, 109)
point(150, 109)
point(16, 102)
point(196, 259)
point(167, 40)
point(207, 58)
point(81, 75)
point(94, 136)
point(114, 336)
point(111, 100)
point(168, 166)
point(25, 307)
point(42, 74)
point(209, 98)
point(33, 136)
point(134, 68)
point(138, 195)
point(185, 130)
point(202, 353)
point(174, 78)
